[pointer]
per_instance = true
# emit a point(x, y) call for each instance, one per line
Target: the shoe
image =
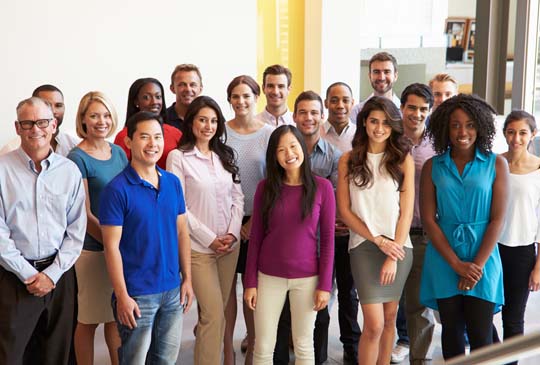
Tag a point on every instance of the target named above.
point(350, 358)
point(399, 353)
point(244, 344)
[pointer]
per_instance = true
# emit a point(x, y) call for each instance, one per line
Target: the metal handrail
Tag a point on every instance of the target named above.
point(510, 350)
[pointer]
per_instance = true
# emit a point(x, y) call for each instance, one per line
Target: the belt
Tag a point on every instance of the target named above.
point(42, 264)
point(417, 231)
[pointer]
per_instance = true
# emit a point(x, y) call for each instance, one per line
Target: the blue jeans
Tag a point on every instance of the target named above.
point(156, 339)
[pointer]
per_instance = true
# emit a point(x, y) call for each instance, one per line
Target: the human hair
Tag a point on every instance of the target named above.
point(443, 77)
point(339, 83)
point(275, 174)
point(396, 150)
point(277, 70)
point(383, 57)
point(133, 93)
point(33, 101)
point(139, 117)
point(477, 109)
point(516, 115)
point(420, 90)
point(218, 142)
point(84, 104)
point(186, 67)
point(308, 95)
point(46, 87)
point(243, 79)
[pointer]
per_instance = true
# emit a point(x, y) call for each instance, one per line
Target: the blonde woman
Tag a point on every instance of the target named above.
point(99, 161)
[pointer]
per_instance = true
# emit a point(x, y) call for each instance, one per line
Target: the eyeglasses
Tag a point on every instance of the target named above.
point(29, 124)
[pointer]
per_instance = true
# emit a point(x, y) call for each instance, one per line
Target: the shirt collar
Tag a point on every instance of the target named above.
point(133, 177)
point(196, 152)
point(45, 164)
point(321, 146)
point(478, 155)
point(327, 126)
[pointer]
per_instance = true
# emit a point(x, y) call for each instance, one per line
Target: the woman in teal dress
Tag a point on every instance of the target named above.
point(463, 202)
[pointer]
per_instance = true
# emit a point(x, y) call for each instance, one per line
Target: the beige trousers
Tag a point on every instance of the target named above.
point(271, 294)
point(212, 277)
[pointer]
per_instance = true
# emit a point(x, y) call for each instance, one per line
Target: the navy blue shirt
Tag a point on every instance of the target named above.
point(149, 242)
point(173, 118)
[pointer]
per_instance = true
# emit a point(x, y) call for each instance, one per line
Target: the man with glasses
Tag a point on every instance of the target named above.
point(42, 227)
point(61, 142)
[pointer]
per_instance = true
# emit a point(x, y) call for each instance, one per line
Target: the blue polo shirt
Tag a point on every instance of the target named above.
point(149, 242)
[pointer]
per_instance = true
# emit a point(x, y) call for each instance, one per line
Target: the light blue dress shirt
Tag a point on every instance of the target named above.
point(41, 214)
point(324, 160)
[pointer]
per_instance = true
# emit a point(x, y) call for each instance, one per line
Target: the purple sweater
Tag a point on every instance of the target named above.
point(289, 247)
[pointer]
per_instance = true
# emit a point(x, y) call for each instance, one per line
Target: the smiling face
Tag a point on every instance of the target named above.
point(97, 121)
point(339, 103)
point(415, 111)
point(289, 153)
point(462, 130)
point(518, 135)
point(186, 86)
point(276, 90)
point(150, 98)
point(308, 117)
point(243, 100)
point(205, 125)
point(377, 128)
point(382, 76)
point(147, 143)
point(36, 140)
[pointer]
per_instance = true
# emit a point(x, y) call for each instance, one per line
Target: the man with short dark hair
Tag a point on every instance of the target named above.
point(416, 104)
point(61, 142)
point(383, 73)
point(276, 86)
point(186, 84)
point(338, 129)
point(146, 241)
point(42, 228)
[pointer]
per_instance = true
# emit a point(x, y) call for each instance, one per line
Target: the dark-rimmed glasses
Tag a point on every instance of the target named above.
point(29, 124)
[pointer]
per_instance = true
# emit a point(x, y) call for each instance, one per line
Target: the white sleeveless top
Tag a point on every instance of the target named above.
point(377, 205)
point(521, 226)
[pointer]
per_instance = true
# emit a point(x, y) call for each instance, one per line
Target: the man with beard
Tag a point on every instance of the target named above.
point(186, 84)
point(61, 142)
point(383, 73)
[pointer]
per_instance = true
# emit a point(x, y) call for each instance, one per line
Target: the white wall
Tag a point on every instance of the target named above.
point(105, 45)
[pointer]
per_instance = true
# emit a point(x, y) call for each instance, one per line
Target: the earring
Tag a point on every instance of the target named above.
point(137, 106)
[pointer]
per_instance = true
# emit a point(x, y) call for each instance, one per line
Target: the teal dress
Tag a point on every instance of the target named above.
point(463, 211)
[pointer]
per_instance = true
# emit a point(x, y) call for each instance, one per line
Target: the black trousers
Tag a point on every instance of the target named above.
point(349, 330)
point(35, 330)
point(320, 336)
point(462, 312)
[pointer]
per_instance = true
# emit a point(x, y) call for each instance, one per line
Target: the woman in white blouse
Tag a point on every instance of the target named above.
point(207, 169)
point(521, 231)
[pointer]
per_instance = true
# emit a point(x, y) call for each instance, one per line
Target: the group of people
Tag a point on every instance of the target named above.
point(379, 201)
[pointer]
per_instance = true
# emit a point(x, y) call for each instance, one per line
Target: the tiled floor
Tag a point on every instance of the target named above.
point(532, 324)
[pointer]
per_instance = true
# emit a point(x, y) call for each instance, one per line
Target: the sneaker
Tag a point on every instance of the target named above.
point(244, 344)
point(399, 353)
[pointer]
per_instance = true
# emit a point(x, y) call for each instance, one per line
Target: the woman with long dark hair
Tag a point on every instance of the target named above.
point(147, 94)
point(375, 194)
point(521, 231)
point(463, 203)
point(291, 246)
point(207, 169)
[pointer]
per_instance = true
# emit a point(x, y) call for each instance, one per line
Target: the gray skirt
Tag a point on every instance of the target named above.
point(366, 263)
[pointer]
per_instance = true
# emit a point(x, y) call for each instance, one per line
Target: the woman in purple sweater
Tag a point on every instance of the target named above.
point(291, 246)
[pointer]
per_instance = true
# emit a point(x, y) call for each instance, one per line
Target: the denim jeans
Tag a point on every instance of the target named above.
point(156, 339)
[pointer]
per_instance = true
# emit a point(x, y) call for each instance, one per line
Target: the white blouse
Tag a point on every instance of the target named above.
point(521, 226)
point(377, 205)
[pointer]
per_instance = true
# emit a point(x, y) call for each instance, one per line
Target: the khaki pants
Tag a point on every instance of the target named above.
point(271, 294)
point(212, 277)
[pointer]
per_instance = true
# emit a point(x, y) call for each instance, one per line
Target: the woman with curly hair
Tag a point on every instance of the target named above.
point(207, 169)
point(375, 196)
point(463, 203)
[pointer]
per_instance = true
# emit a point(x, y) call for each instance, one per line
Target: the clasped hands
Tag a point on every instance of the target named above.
point(222, 245)
point(39, 285)
point(469, 274)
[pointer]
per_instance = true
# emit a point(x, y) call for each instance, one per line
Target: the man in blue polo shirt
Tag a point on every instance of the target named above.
point(145, 235)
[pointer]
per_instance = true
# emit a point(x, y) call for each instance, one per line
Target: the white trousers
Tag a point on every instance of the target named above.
point(271, 295)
